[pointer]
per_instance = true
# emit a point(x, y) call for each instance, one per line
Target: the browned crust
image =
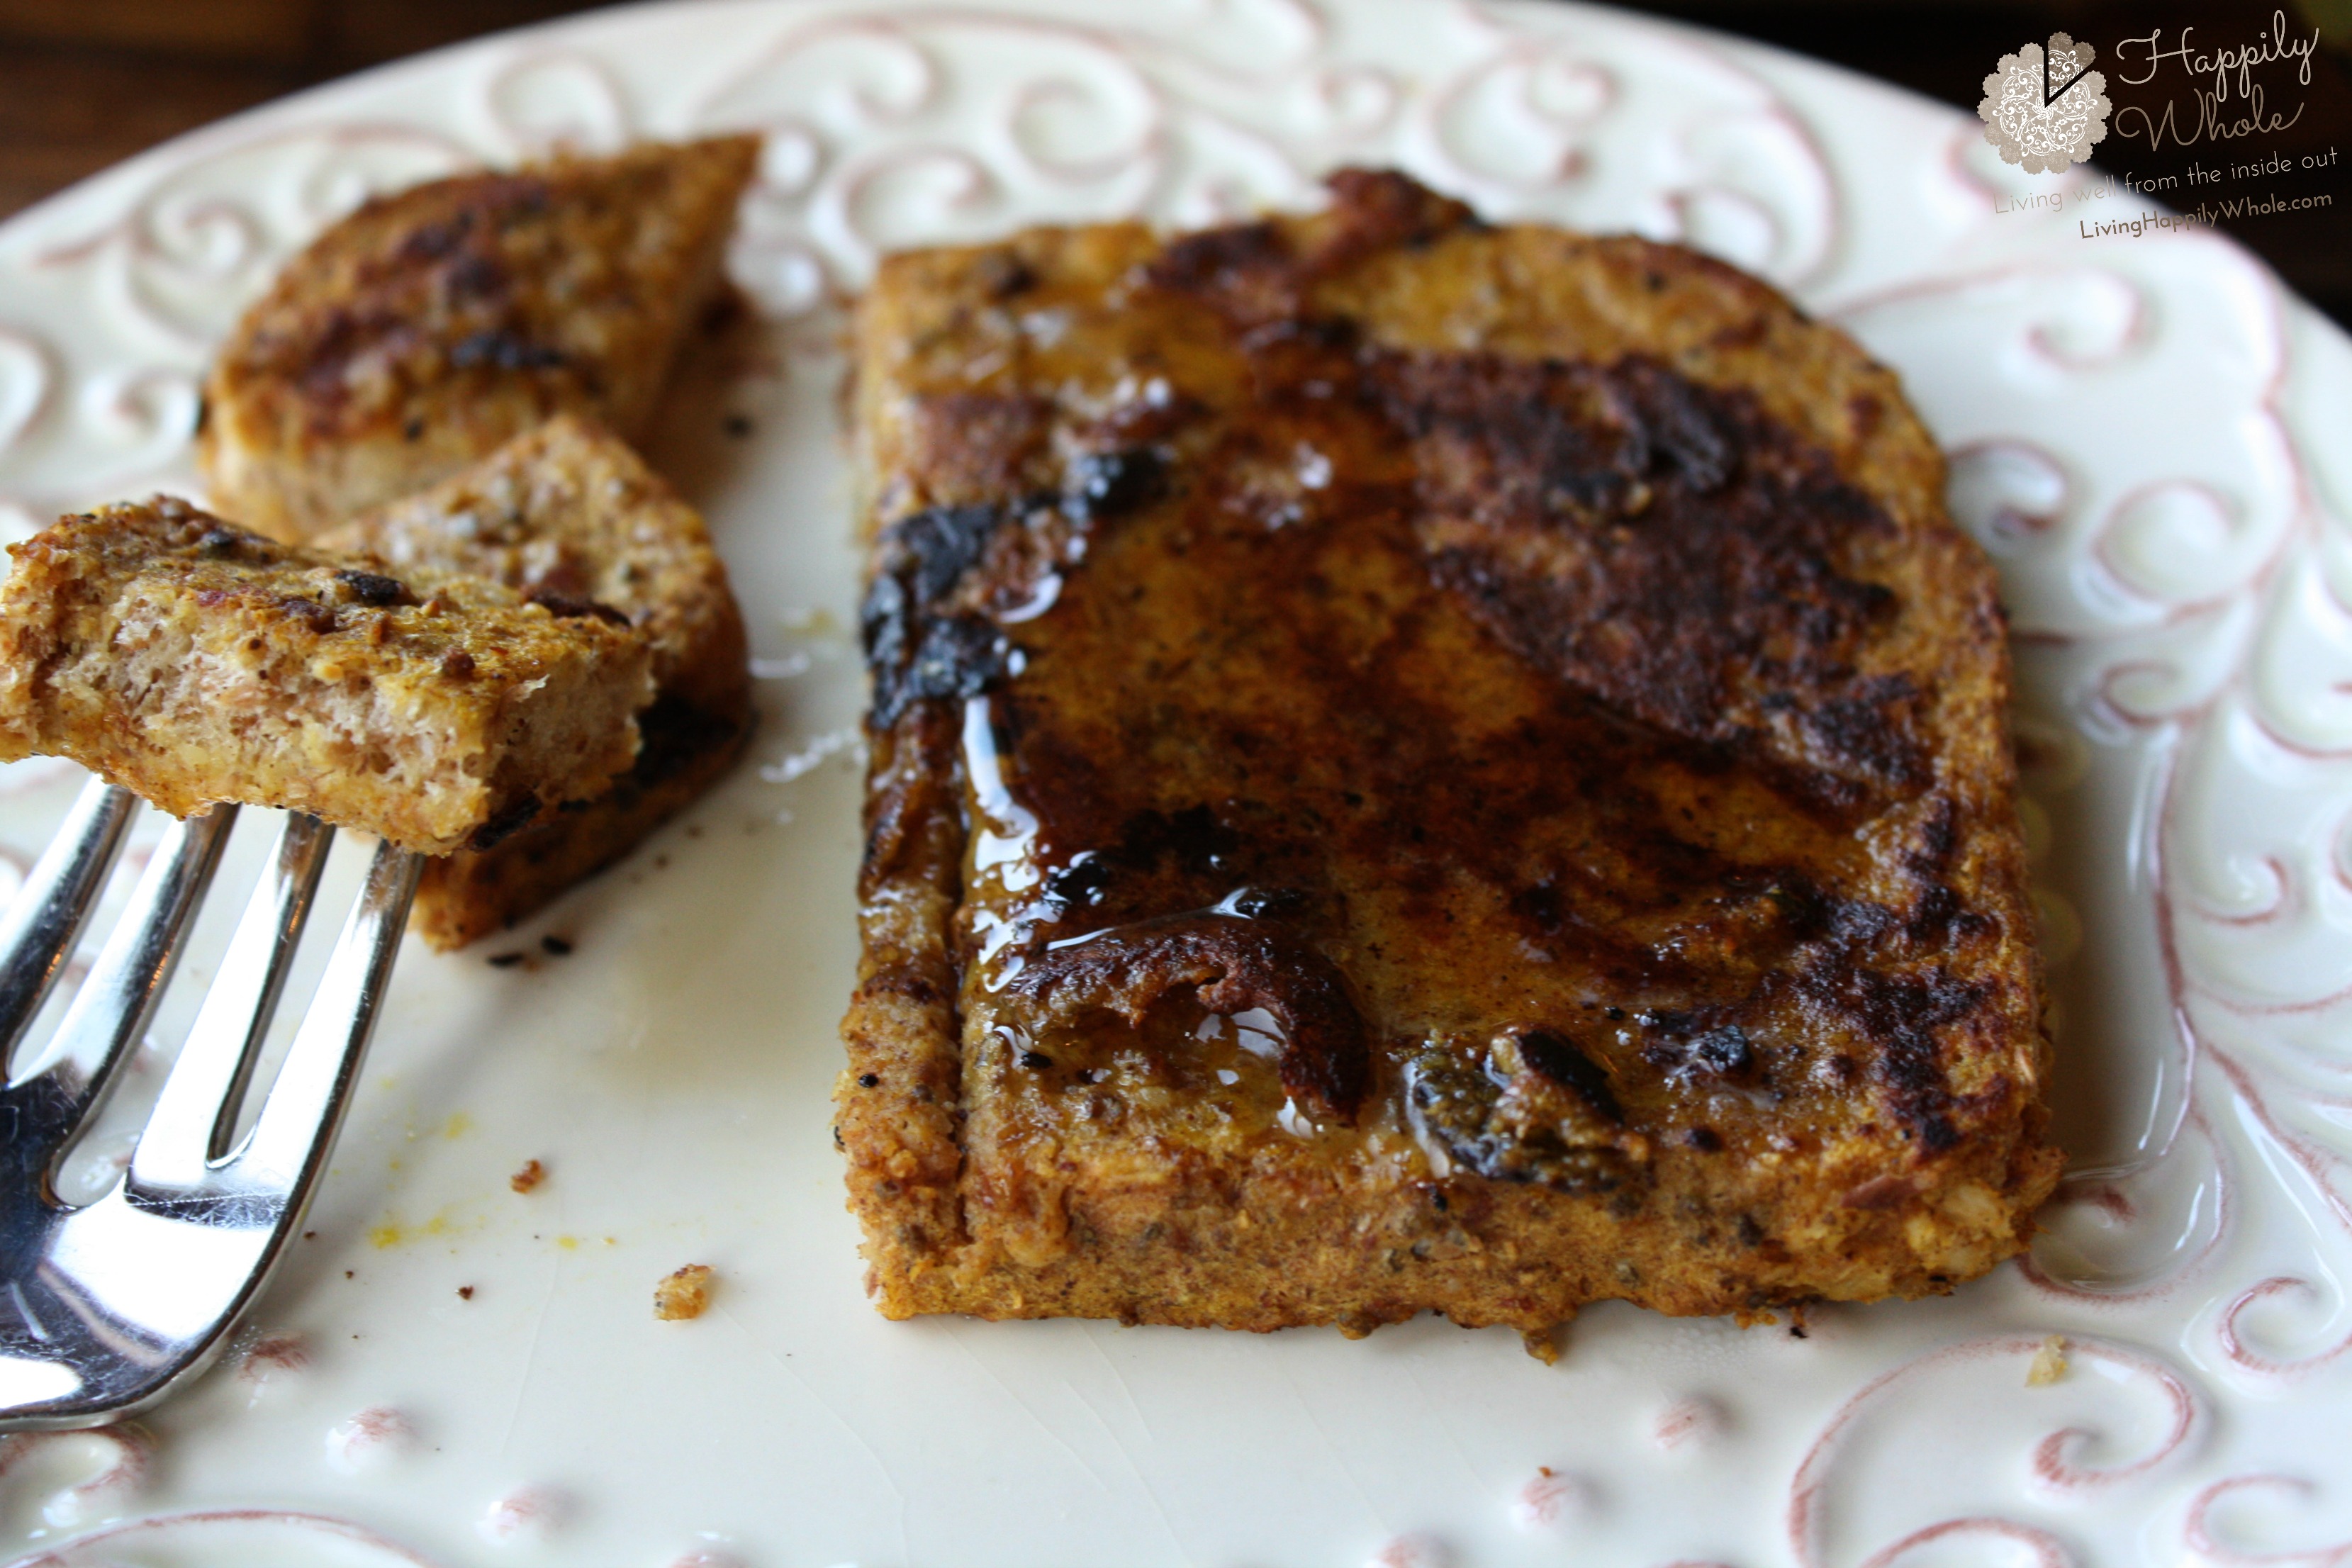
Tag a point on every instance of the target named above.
point(465, 897)
point(419, 333)
point(569, 513)
point(192, 661)
point(1930, 1177)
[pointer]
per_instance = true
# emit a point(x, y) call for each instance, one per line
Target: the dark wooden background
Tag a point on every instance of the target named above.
point(85, 82)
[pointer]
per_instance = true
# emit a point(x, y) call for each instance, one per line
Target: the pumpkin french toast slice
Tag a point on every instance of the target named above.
point(1421, 766)
point(431, 326)
point(568, 513)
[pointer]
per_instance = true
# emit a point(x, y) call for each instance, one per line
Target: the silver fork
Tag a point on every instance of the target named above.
point(106, 1307)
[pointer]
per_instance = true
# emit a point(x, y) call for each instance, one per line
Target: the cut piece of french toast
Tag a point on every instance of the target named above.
point(1421, 766)
point(431, 326)
point(567, 514)
point(193, 661)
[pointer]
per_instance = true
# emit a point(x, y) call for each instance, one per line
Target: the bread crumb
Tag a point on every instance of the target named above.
point(529, 1176)
point(684, 1294)
point(465, 1292)
point(2049, 1363)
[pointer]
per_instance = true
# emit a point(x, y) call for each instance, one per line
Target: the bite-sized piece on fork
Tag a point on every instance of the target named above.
point(563, 514)
point(193, 661)
point(431, 325)
point(199, 663)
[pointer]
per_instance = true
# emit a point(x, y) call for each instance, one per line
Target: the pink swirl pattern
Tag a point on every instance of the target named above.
point(211, 1530)
point(2202, 1537)
point(2055, 1467)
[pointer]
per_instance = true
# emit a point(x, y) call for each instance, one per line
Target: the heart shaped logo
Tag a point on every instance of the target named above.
point(2045, 108)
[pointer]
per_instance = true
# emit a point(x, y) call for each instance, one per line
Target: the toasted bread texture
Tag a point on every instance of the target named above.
point(1421, 766)
point(192, 661)
point(431, 326)
point(568, 514)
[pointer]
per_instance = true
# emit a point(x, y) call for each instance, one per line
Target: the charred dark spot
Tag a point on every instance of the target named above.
point(1664, 546)
point(1686, 1046)
point(432, 242)
point(505, 823)
point(223, 543)
point(1900, 1015)
point(869, 1081)
point(1541, 906)
point(1750, 1234)
point(1871, 730)
point(1938, 916)
point(1104, 484)
point(1558, 1059)
point(1706, 1140)
point(564, 607)
point(1221, 259)
point(476, 277)
point(1190, 844)
point(883, 623)
point(1037, 1061)
point(932, 549)
point(375, 589)
point(1934, 915)
point(1193, 836)
point(1267, 903)
point(1857, 922)
point(956, 657)
point(1677, 429)
point(1459, 1103)
point(457, 664)
point(1079, 883)
point(1002, 275)
point(315, 617)
point(502, 349)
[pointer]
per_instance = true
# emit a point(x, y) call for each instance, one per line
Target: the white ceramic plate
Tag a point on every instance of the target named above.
point(2149, 434)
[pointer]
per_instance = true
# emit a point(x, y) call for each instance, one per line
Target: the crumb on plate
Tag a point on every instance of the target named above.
point(684, 1294)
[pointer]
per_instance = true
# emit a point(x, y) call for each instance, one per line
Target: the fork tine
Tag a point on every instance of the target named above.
point(197, 1110)
point(73, 1073)
point(39, 931)
point(297, 1121)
